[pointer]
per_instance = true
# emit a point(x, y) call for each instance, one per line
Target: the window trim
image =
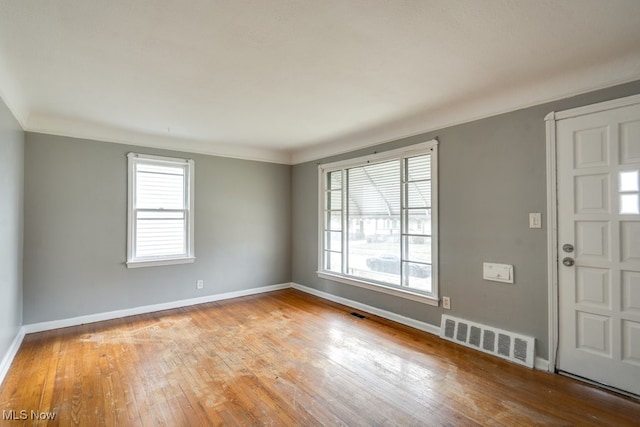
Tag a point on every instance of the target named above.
point(410, 151)
point(132, 261)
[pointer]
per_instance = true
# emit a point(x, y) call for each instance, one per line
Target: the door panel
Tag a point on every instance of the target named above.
point(592, 194)
point(593, 333)
point(598, 161)
point(593, 287)
point(592, 241)
point(629, 145)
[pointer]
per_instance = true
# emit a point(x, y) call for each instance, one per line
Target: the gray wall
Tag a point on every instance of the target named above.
point(492, 173)
point(11, 198)
point(256, 225)
point(75, 230)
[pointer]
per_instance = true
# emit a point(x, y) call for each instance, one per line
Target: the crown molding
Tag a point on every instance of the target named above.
point(580, 81)
point(537, 93)
point(60, 126)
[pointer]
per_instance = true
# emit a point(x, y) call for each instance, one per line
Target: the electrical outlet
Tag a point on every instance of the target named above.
point(446, 303)
point(199, 284)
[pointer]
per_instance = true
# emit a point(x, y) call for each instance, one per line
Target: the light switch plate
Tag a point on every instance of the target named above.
point(535, 220)
point(497, 272)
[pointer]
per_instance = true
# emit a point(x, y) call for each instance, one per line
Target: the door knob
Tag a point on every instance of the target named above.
point(567, 247)
point(568, 261)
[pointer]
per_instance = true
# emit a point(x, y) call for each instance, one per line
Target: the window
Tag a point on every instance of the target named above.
point(160, 211)
point(378, 222)
point(629, 192)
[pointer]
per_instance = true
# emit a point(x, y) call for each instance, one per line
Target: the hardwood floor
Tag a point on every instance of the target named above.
point(283, 358)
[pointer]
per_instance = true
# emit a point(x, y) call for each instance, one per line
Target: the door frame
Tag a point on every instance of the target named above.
point(552, 209)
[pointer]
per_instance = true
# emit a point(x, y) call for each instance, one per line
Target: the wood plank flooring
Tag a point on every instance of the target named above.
point(283, 358)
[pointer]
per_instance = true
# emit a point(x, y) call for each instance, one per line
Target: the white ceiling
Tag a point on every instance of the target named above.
point(294, 80)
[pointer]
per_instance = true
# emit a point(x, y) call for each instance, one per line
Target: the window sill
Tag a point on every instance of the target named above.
point(156, 263)
point(380, 288)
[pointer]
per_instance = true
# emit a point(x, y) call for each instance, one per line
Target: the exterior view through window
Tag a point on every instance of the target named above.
point(378, 219)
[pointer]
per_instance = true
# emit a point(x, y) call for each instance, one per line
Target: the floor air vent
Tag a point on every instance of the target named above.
point(358, 315)
point(508, 345)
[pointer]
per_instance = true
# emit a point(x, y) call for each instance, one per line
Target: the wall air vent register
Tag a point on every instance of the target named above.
point(507, 345)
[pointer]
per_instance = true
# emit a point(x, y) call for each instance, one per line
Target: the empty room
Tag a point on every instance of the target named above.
point(336, 212)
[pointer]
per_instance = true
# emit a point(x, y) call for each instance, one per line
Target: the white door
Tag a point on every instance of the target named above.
point(598, 172)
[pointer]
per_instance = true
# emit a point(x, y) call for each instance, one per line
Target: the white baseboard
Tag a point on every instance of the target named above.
point(541, 364)
point(92, 318)
point(423, 326)
point(11, 354)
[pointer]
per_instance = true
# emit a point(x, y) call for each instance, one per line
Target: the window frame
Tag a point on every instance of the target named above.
point(134, 261)
point(428, 147)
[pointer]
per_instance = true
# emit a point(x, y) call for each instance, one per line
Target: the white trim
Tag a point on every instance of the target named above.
point(563, 87)
point(435, 219)
point(165, 261)
point(321, 208)
point(552, 239)
point(423, 326)
point(11, 94)
point(349, 280)
point(585, 80)
point(428, 147)
point(117, 314)
point(542, 365)
point(5, 364)
point(598, 385)
point(381, 156)
point(71, 128)
point(162, 159)
point(134, 159)
point(552, 208)
point(596, 108)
